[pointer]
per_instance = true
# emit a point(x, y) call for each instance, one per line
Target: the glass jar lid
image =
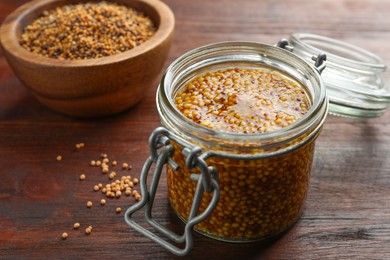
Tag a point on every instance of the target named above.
point(352, 75)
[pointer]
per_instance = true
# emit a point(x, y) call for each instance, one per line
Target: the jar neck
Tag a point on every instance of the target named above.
point(236, 54)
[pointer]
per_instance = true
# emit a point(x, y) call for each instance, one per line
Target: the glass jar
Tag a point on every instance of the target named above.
point(232, 187)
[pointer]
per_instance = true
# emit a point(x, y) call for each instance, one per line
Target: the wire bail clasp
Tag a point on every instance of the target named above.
point(161, 153)
point(320, 59)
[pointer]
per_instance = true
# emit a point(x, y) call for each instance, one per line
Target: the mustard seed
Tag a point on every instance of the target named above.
point(80, 145)
point(88, 230)
point(76, 225)
point(128, 192)
point(135, 181)
point(102, 202)
point(59, 158)
point(83, 177)
point(93, 163)
point(89, 204)
point(118, 210)
point(64, 235)
point(114, 163)
point(125, 166)
point(96, 188)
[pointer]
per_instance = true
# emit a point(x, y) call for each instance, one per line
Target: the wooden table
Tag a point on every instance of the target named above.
point(347, 214)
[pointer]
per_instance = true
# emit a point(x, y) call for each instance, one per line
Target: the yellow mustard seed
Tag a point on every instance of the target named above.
point(118, 210)
point(83, 177)
point(96, 188)
point(89, 204)
point(125, 165)
point(64, 235)
point(128, 192)
point(88, 231)
point(93, 163)
point(59, 158)
point(102, 202)
point(80, 145)
point(76, 225)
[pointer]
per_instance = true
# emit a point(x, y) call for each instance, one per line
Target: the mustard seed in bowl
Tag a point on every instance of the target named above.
point(87, 31)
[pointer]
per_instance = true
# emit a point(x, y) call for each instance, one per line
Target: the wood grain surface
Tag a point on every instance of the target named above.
point(347, 214)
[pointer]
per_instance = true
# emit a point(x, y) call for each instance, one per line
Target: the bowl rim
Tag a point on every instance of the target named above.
point(10, 42)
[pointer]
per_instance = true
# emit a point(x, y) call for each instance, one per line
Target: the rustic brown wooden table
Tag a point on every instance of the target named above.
point(347, 214)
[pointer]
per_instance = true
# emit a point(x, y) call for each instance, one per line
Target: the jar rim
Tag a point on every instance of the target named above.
point(184, 64)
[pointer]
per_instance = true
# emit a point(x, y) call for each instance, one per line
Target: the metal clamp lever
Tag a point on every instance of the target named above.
point(161, 152)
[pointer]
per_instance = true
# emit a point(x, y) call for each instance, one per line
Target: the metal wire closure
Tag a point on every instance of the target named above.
point(161, 151)
point(320, 59)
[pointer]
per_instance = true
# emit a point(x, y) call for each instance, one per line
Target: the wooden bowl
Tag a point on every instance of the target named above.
point(93, 87)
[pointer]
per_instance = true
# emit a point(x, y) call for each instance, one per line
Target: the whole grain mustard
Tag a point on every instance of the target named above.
point(259, 198)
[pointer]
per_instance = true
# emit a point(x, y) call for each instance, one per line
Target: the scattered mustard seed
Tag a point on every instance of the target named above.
point(80, 145)
point(76, 225)
point(59, 157)
point(89, 204)
point(96, 188)
point(88, 230)
point(83, 177)
point(93, 163)
point(105, 170)
point(118, 210)
point(64, 235)
point(125, 165)
point(102, 202)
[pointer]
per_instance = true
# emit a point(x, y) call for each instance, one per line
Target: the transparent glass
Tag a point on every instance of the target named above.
point(352, 76)
point(263, 178)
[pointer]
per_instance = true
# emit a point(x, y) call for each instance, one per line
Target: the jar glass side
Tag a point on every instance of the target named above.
point(259, 199)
